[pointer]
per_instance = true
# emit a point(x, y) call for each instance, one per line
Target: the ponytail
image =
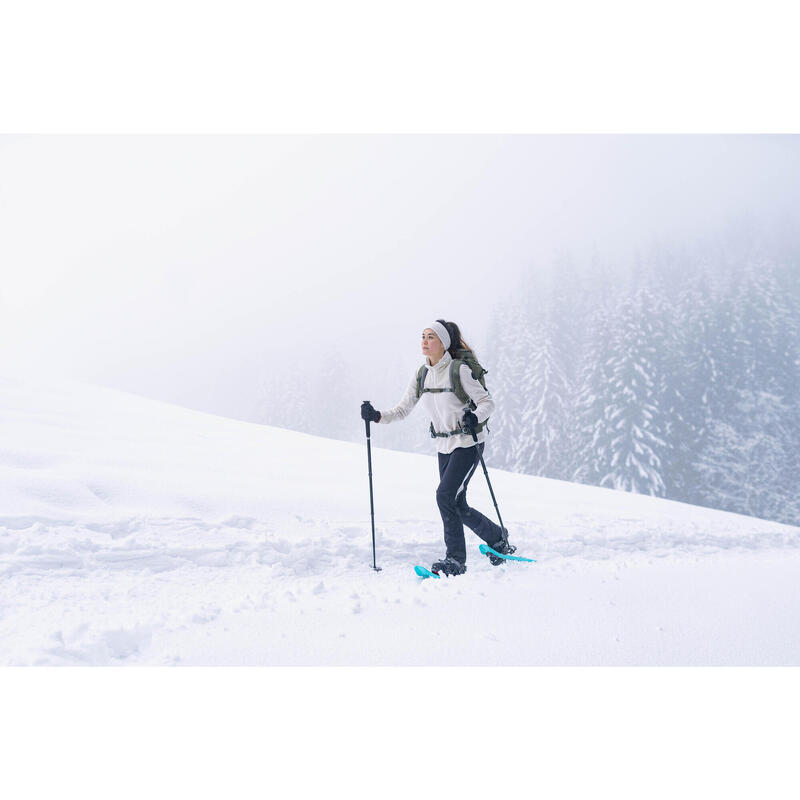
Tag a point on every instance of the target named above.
point(456, 341)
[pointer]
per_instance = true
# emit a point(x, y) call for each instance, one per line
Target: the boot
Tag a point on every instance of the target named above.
point(449, 566)
point(502, 547)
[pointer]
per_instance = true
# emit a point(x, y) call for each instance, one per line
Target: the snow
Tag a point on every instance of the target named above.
point(133, 532)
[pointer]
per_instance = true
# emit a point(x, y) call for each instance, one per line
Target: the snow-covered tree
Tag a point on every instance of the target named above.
point(740, 464)
point(507, 353)
point(545, 389)
point(696, 372)
point(632, 446)
point(589, 407)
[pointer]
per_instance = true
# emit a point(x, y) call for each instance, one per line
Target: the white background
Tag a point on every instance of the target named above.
point(421, 67)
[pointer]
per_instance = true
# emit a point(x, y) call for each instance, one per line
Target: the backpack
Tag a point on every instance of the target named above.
point(462, 357)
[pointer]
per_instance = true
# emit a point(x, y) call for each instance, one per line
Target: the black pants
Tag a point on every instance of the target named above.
point(455, 471)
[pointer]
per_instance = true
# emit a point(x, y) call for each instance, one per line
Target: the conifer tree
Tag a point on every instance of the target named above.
point(631, 453)
point(505, 362)
point(543, 448)
point(740, 463)
point(699, 378)
point(589, 407)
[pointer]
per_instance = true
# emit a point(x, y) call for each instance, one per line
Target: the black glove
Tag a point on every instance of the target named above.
point(469, 422)
point(369, 413)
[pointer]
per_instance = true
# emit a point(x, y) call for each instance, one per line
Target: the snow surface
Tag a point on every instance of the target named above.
point(136, 532)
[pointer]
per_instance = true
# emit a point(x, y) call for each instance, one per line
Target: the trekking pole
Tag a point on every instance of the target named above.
point(491, 491)
point(371, 502)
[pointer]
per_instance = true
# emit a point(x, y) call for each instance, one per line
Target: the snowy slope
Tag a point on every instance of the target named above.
point(135, 532)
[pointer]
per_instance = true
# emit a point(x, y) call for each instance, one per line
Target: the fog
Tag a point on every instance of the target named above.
point(188, 268)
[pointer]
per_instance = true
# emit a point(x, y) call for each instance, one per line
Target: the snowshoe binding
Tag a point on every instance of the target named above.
point(501, 547)
point(448, 566)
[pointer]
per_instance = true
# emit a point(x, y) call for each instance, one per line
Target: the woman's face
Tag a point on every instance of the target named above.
point(432, 345)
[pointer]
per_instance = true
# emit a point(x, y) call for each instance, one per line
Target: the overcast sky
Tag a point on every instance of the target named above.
point(177, 267)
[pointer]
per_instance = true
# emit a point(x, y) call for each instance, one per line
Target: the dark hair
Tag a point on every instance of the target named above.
point(456, 342)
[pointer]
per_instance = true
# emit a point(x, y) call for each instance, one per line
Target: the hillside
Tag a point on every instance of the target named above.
point(135, 532)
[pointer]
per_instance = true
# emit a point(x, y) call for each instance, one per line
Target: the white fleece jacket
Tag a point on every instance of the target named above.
point(444, 408)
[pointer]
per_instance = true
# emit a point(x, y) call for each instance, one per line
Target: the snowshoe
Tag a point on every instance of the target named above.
point(449, 566)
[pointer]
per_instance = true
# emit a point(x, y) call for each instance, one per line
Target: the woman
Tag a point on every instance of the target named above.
point(451, 423)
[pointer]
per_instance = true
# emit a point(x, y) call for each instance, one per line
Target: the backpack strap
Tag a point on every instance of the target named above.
point(455, 382)
point(478, 428)
point(421, 372)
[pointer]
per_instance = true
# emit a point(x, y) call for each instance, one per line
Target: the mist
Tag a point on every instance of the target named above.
point(193, 269)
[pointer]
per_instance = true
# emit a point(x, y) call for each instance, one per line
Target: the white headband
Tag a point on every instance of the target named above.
point(442, 333)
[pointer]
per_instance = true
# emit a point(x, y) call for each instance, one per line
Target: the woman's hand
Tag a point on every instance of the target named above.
point(469, 422)
point(369, 413)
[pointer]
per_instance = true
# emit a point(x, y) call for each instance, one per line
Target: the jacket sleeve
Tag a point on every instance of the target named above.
point(479, 395)
point(405, 406)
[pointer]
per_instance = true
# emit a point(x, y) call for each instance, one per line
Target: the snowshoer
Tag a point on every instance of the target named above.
point(451, 386)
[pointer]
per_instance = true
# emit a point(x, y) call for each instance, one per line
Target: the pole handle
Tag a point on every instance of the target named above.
point(366, 421)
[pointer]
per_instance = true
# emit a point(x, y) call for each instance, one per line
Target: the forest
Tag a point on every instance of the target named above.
point(675, 375)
